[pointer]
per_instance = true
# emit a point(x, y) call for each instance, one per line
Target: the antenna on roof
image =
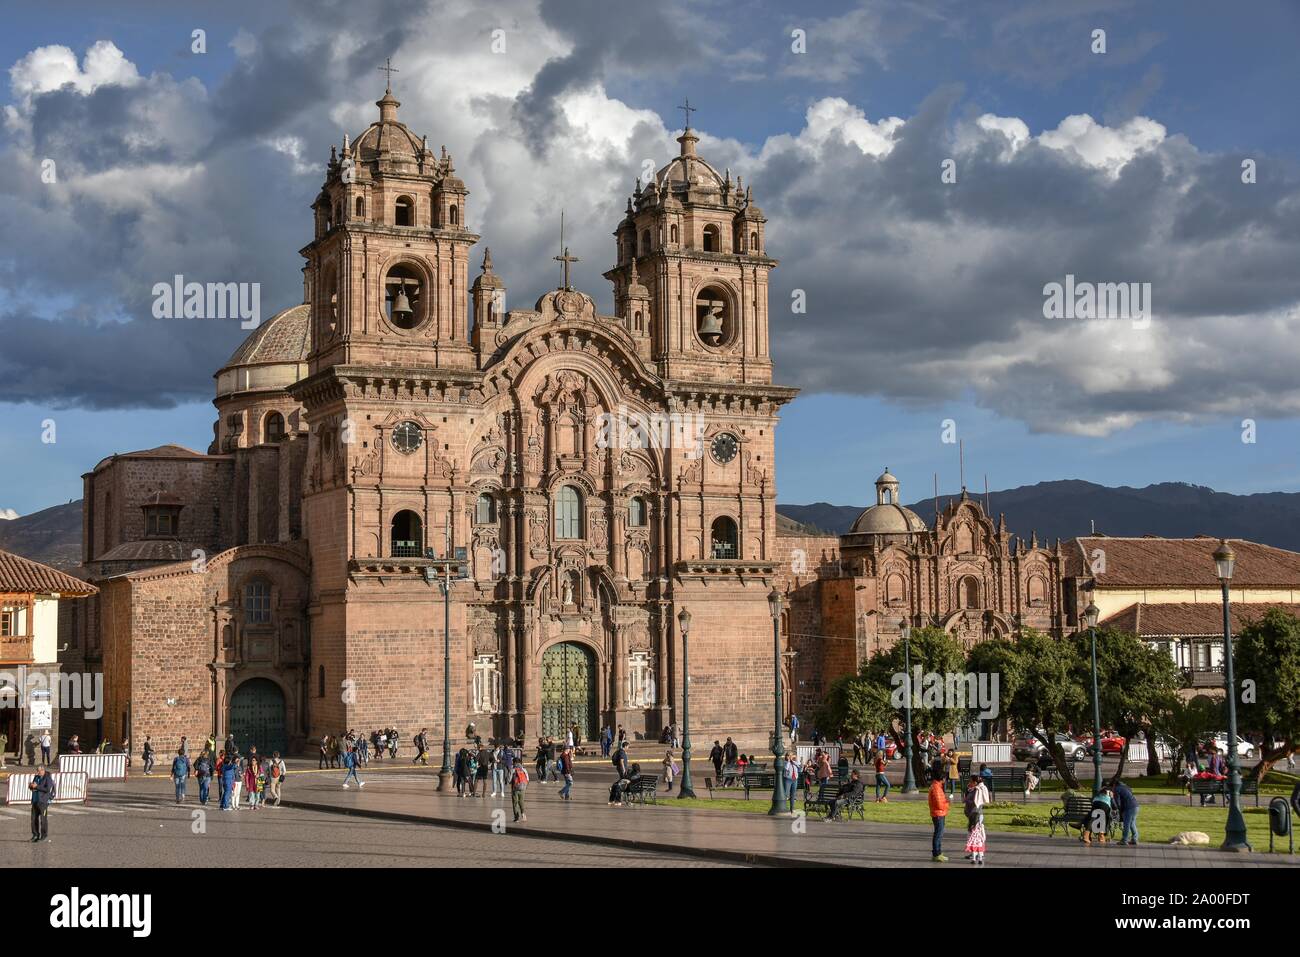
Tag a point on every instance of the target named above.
point(1092, 524)
point(961, 463)
point(986, 494)
point(936, 499)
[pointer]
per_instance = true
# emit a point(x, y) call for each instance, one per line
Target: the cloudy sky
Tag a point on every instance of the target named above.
point(925, 296)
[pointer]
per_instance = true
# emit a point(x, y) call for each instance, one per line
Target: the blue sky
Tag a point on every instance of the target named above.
point(923, 297)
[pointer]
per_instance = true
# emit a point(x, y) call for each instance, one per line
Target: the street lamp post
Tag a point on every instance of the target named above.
point(778, 745)
point(444, 772)
point(909, 778)
point(1090, 615)
point(1234, 835)
point(685, 790)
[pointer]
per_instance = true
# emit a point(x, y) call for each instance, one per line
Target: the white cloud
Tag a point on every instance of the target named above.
point(50, 68)
point(8, 514)
point(1101, 146)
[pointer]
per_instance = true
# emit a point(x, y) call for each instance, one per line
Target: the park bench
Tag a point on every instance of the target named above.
point(1076, 812)
point(822, 799)
point(1006, 779)
point(963, 768)
point(1199, 786)
point(759, 780)
point(644, 788)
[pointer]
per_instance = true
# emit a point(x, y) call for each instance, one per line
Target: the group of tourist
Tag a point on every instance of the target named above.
point(254, 778)
point(334, 749)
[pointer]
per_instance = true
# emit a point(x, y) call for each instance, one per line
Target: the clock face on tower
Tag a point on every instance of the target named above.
point(724, 447)
point(407, 437)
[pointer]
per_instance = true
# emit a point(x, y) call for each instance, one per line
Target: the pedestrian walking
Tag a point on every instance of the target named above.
point(147, 753)
point(203, 773)
point(882, 780)
point(46, 744)
point(499, 768)
point(4, 748)
point(180, 773)
point(228, 770)
point(350, 762)
point(977, 795)
point(421, 748)
point(42, 788)
point(938, 817)
point(566, 771)
point(518, 785)
point(324, 752)
point(669, 768)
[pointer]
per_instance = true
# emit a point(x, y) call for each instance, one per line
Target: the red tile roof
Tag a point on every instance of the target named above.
point(1185, 562)
point(1188, 619)
point(18, 574)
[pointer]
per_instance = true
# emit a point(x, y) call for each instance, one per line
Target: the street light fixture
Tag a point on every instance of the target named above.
point(685, 790)
point(778, 746)
point(1090, 615)
point(909, 778)
point(1234, 835)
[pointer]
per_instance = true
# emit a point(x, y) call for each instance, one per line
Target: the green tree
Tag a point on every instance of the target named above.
point(997, 656)
point(1267, 654)
point(1185, 722)
point(1134, 682)
point(854, 706)
point(1048, 692)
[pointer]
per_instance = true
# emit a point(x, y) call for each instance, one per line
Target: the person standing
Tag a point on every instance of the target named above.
point(148, 754)
point(882, 780)
point(42, 788)
point(4, 748)
point(566, 771)
point(669, 766)
point(203, 772)
point(794, 729)
point(954, 775)
point(74, 744)
point(1127, 805)
point(228, 770)
point(421, 748)
point(938, 817)
point(30, 744)
point(857, 749)
point(498, 771)
point(275, 777)
point(180, 772)
point(324, 752)
point(977, 795)
point(485, 759)
point(606, 739)
point(46, 743)
point(620, 760)
point(791, 780)
point(185, 746)
point(350, 762)
point(518, 784)
point(730, 753)
point(715, 755)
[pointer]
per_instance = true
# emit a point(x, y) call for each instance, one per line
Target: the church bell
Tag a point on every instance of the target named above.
point(711, 326)
point(402, 311)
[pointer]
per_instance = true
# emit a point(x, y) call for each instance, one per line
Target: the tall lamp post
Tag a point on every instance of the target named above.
point(778, 745)
point(685, 790)
point(1234, 834)
point(1090, 615)
point(909, 778)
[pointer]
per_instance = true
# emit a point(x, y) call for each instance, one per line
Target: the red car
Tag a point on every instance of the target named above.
point(1111, 743)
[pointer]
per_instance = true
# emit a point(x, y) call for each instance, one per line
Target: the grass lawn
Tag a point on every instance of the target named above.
point(1275, 783)
point(1157, 823)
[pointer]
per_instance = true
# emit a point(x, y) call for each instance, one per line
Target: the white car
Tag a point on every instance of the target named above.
point(1244, 748)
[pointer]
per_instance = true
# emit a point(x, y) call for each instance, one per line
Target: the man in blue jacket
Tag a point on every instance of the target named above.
point(203, 771)
point(1127, 805)
point(180, 773)
point(42, 788)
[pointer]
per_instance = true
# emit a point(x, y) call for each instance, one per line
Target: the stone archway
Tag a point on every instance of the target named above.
point(569, 690)
point(258, 716)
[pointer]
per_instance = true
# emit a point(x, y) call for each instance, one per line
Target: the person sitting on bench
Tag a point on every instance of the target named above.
point(852, 790)
point(623, 785)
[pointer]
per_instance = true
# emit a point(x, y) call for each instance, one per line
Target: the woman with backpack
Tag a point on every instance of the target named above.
point(977, 795)
point(518, 785)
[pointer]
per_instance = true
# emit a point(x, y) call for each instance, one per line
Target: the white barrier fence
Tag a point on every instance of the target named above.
point(1137, 751)
point(806, 751)
point(97, 767)
point(70, 787)
point(989, 752)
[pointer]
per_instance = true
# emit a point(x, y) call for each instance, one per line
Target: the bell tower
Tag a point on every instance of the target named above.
point(692, 242)
point(387, 269)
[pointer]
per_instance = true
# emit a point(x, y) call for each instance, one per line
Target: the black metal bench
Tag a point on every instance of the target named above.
point(963, 768)
point(645, 788)
point(822, 800)
point(1005, 779)
point(758, 780)
point(1200, 786)
point(1077, 812)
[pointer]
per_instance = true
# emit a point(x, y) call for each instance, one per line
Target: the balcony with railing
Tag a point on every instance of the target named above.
point(16, 649)
point(1205, 676)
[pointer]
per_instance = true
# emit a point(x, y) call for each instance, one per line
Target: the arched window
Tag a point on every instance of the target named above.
point(361, 208)
point(1037, 590)
point(636, 512)
point(711, 239)
point(636, 321)
point(969, 592)
point(753, 242)
point(453, 215)
point(404, 211)
point(485, 512)
point(724, 538)
point(257, 602)
point(408, 535)
point(568, 513)
point(672, 233)
point(273, 427)
point(645, 242)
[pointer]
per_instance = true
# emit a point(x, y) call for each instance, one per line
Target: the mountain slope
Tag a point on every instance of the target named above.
point(51, 536)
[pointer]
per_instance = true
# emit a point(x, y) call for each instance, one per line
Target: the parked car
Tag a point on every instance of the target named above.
point(1244, 748)
point(1111, 743)
point(1026, 746)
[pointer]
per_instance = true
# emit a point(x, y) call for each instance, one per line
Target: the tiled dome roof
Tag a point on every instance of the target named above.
point(282, 338)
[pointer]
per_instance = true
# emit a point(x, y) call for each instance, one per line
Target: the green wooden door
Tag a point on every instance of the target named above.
point(257, 717)
point(568, 690)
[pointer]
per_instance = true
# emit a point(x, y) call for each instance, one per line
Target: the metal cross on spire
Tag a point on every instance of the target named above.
point(564, 256)
point(688, 110)
point(389, 69)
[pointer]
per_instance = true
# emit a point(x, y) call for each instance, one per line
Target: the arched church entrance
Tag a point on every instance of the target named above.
point(257, 716)
point(569, 690)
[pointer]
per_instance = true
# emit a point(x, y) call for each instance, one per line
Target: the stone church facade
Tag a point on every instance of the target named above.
point(400, 426)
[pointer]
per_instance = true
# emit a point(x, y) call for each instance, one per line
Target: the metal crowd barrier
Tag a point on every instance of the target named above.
point(806, 751)
point(97, 767)
point(70, 787)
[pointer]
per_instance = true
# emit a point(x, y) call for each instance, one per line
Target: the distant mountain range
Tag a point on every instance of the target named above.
point(1062, 509)
point(1070, 508)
